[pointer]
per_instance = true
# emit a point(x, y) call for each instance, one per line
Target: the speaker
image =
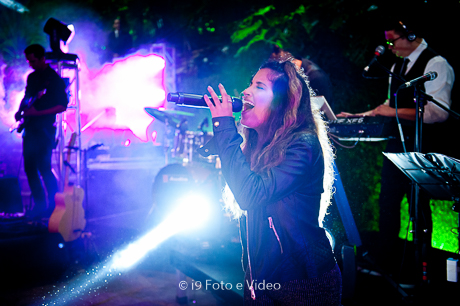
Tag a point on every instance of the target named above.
point(10, 195)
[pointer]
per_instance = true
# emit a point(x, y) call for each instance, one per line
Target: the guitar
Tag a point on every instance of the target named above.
point(26, 105)
point(68, 217)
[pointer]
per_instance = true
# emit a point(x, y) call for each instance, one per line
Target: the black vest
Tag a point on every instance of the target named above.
point(405, 96)
point(405, 99)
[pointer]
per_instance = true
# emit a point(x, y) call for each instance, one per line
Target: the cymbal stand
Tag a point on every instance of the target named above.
point(168, 139)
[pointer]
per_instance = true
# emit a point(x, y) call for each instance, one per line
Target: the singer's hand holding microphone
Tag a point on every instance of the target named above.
point(219, 108)
point(235, 105)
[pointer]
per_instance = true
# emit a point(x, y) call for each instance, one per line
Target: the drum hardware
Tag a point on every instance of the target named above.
point(181, 144)
point(174, 121)
point(186, 171)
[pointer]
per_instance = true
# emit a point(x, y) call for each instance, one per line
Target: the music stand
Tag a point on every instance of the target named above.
point(437, 174)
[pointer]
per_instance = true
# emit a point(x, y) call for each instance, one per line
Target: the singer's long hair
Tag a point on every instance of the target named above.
point(290, 117)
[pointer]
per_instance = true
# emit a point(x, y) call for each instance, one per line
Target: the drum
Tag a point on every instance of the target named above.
point(186, 145)
point(175, 181)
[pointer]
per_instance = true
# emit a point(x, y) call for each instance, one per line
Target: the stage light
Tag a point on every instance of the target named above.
point(191, 212)
point(57, 32)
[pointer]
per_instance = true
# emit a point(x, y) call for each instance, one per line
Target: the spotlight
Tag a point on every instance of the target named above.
point(192, 212)
point(57, 32)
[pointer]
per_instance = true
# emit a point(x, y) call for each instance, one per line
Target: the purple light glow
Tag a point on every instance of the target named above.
point(119, 91)
point(123, 89)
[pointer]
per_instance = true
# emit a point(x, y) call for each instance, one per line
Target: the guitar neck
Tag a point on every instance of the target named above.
point(69, 152)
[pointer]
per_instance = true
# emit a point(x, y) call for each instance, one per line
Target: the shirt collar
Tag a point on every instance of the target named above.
point(416, 53)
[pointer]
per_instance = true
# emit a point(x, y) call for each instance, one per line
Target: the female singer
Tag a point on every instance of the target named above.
point(279, 178)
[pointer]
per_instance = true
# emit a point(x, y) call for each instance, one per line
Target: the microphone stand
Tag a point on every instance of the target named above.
point(364, 253)
point(420, 233)
point(386, 70)
point(421, 261)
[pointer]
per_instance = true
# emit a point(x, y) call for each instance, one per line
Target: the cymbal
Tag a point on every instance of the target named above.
point(178, 113)
point(171, 115)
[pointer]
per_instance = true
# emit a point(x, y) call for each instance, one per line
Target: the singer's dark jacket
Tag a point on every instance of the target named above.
point(281, 235)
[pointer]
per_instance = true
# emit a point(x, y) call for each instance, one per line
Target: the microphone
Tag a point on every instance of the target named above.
point(430, 76)
point(193, 100)
point(378, 51)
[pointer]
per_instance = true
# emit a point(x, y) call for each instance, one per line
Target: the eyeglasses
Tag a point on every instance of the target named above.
point(391, 42)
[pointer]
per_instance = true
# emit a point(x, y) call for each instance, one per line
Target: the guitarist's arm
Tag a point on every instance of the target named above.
point(22, 105)
point(18, 114)
point(32, 111)
point(55, 92)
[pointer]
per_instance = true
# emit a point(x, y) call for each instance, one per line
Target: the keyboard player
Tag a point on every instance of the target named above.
point(414, 58)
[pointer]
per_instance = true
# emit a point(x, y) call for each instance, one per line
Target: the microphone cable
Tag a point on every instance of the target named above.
point(401, 134)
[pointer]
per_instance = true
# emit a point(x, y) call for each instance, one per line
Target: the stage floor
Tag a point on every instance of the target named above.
point(43, 275)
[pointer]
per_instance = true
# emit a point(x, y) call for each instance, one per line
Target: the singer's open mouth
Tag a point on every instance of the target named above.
point(247, 105)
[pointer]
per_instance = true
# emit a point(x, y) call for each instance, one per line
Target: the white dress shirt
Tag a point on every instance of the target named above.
point(440, 88)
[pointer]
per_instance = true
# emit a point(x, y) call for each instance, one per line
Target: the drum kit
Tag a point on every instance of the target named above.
point(185, 170)
point(180, 144)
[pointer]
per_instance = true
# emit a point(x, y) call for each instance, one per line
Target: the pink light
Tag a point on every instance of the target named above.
point(121, 90)
point(127, 143)
point(127, 86)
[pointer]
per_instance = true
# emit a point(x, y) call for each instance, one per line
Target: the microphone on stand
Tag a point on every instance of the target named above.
point(378, 51)
point(429, 76)
point(193, 100)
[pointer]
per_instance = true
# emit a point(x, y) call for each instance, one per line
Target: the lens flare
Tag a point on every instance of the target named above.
point(191, 211)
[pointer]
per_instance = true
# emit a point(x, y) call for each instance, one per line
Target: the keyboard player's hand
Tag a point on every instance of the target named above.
point(345, 115)
point(385, 110)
